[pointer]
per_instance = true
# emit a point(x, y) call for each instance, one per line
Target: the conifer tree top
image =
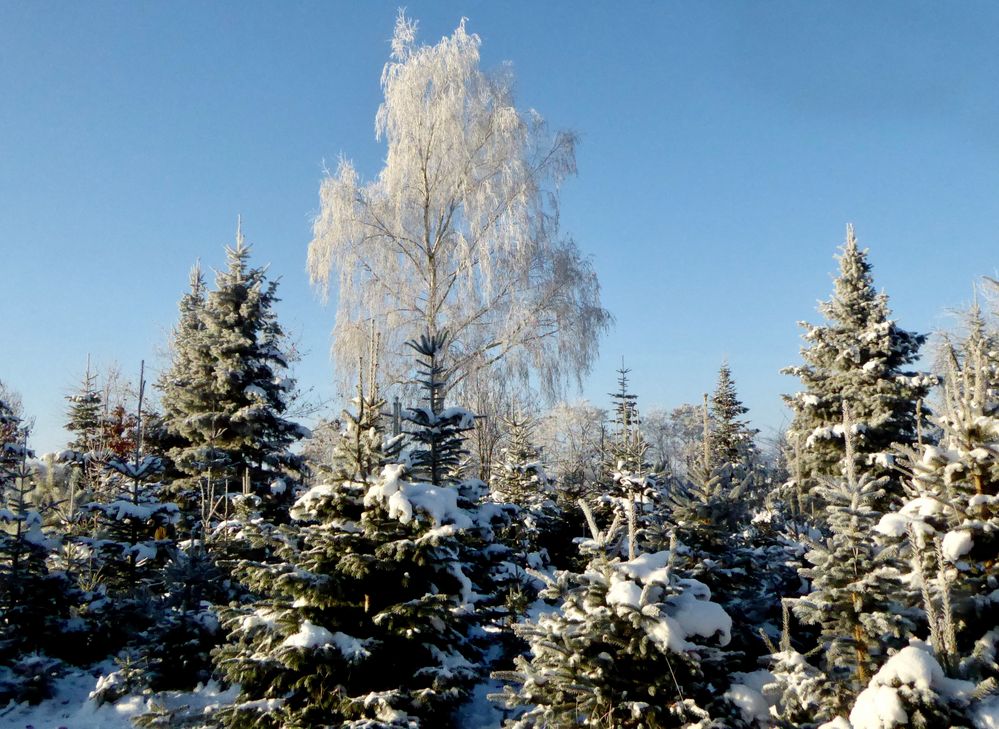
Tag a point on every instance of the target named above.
point(731, 438)
point(859, 357)
point(854, 291)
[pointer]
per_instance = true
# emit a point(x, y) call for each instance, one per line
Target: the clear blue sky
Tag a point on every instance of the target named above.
point(725, 145)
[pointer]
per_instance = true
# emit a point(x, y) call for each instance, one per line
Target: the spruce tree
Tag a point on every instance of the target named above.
point(716, 543)
point(89, 420)
point(33, 600)
point(797, 690)
point(859, 357)
point(519, 478)
point(711, 517)
point(634, 644)
point(366, 613)
point(949, 523)
point(186, 394)
point(127, 540)
point(439, 451)
point(85, 415)
point(855, 585)
point(226, 394)
point(912, 689)
point(631, 488)
point(731, 438)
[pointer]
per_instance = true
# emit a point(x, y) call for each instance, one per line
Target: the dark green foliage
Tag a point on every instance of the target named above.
point(731, 438)
point(33, 600)
point(437, 431)
point(743, 562)
point(86, 415)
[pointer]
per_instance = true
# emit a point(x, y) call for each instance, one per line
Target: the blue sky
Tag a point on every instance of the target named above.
point(725, 145)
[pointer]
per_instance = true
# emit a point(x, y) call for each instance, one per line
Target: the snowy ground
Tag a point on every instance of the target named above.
point(70, 707)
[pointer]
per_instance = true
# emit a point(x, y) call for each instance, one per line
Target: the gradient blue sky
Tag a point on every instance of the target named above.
point(725, 145)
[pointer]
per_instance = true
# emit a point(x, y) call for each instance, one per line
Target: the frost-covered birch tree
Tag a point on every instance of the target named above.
point(459, 231)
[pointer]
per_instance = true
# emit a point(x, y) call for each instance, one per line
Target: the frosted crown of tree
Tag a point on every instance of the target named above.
point(460, 229)
point(731, 438)
point(859, 357)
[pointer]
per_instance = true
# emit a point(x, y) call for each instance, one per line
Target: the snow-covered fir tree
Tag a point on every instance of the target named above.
point(96, 436)
point(860, 357)
point(951, 514)
point(717, 543)
point(532, 523)
point(913, 690)
point(86, 414)
point(629, 486)
point(125, 541)
point(366, 617)
point(731, 439)
point(519, 478)
point(226, 393)
point(439, 451)
point(633, 644)
point(186, 391)
point(721, 538)
point(438, 456)
point(855, 582)
point(33, 600)
point(129, 526)
point(949, 525)
point(796, 691)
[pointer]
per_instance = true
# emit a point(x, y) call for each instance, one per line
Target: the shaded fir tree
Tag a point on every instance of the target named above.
point(731, 439)
point(529, 527)
point(126, 543)
point(860, 357)
point(439, 452)
point(496, 585)
point(519, 478)
point(33, 601)
point(746, 564)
